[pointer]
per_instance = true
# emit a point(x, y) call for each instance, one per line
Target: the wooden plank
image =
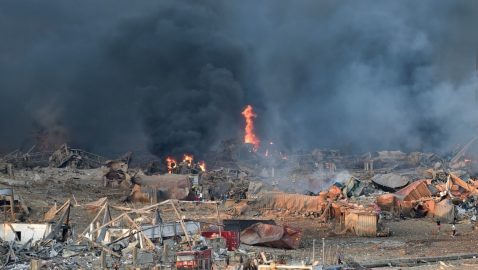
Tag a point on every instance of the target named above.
point(14, 232)
point(94, 219)
point(136, 227)
point(182, 224)
point(107, 250)
point(106, 224)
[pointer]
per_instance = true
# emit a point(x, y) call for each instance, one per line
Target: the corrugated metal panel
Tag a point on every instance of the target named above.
point(366, 225)
point(291, 202)
point(170, 229)
point(414, 191)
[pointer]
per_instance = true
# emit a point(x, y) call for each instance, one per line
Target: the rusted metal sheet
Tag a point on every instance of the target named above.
point(415, 191)
point(460, 188)
point(367, 225)
point(272, 236)
point(386, 202)
point(362, 223)
point(408, 200)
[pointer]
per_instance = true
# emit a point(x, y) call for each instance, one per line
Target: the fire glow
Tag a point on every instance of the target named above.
point(171, 164)
point(202, 166)
point(188, 159)
point(187, 162)
point(249, 136)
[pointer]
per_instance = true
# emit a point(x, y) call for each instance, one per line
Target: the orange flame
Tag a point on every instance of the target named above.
point(250, 136)
point(188, 159)
point(171, 164)
point(202, 166)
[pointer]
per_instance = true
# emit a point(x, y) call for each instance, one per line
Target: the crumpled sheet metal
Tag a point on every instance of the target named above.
point(390, 181)
point(274, 236)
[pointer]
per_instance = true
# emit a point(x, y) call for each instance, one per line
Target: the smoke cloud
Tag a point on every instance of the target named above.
point(174, 76)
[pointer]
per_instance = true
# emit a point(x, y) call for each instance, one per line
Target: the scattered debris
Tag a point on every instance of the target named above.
point(272, 236)
point(189, 217)
point(75, 158)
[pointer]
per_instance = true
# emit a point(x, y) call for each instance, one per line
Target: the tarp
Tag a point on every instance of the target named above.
point(272, 236)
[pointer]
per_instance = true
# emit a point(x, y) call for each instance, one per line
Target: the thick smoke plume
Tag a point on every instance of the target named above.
point(174, 76)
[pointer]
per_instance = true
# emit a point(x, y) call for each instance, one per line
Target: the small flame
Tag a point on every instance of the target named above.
point(171, 164)
point(202, 166)
point(188, 159)
point(250, 136)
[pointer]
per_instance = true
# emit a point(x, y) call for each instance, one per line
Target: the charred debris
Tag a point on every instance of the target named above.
point(182, 215)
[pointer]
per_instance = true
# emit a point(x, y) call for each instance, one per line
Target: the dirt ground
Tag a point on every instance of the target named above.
point(410, 238)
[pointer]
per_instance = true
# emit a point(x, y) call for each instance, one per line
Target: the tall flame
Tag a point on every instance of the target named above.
point(250, 136)
point(171, 164)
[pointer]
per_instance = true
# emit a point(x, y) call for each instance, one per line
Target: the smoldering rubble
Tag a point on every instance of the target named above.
point(153, 218)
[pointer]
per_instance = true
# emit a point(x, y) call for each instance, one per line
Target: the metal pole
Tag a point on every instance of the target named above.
point(313, 251)
point(323, 251)
point(218, 219)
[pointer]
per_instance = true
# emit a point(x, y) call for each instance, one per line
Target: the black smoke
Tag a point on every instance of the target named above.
point(173, 76)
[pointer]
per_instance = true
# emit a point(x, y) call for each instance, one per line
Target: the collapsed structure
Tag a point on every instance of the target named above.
point(179, 213)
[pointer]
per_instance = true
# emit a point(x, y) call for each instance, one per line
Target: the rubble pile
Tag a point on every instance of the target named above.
point(177, 214)
point(225, 183)
point(442, 200)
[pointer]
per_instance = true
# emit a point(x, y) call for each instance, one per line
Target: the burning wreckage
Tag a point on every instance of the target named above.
point(180, 215)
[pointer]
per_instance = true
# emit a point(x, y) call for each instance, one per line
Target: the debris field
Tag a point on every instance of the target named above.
point(78, 210)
